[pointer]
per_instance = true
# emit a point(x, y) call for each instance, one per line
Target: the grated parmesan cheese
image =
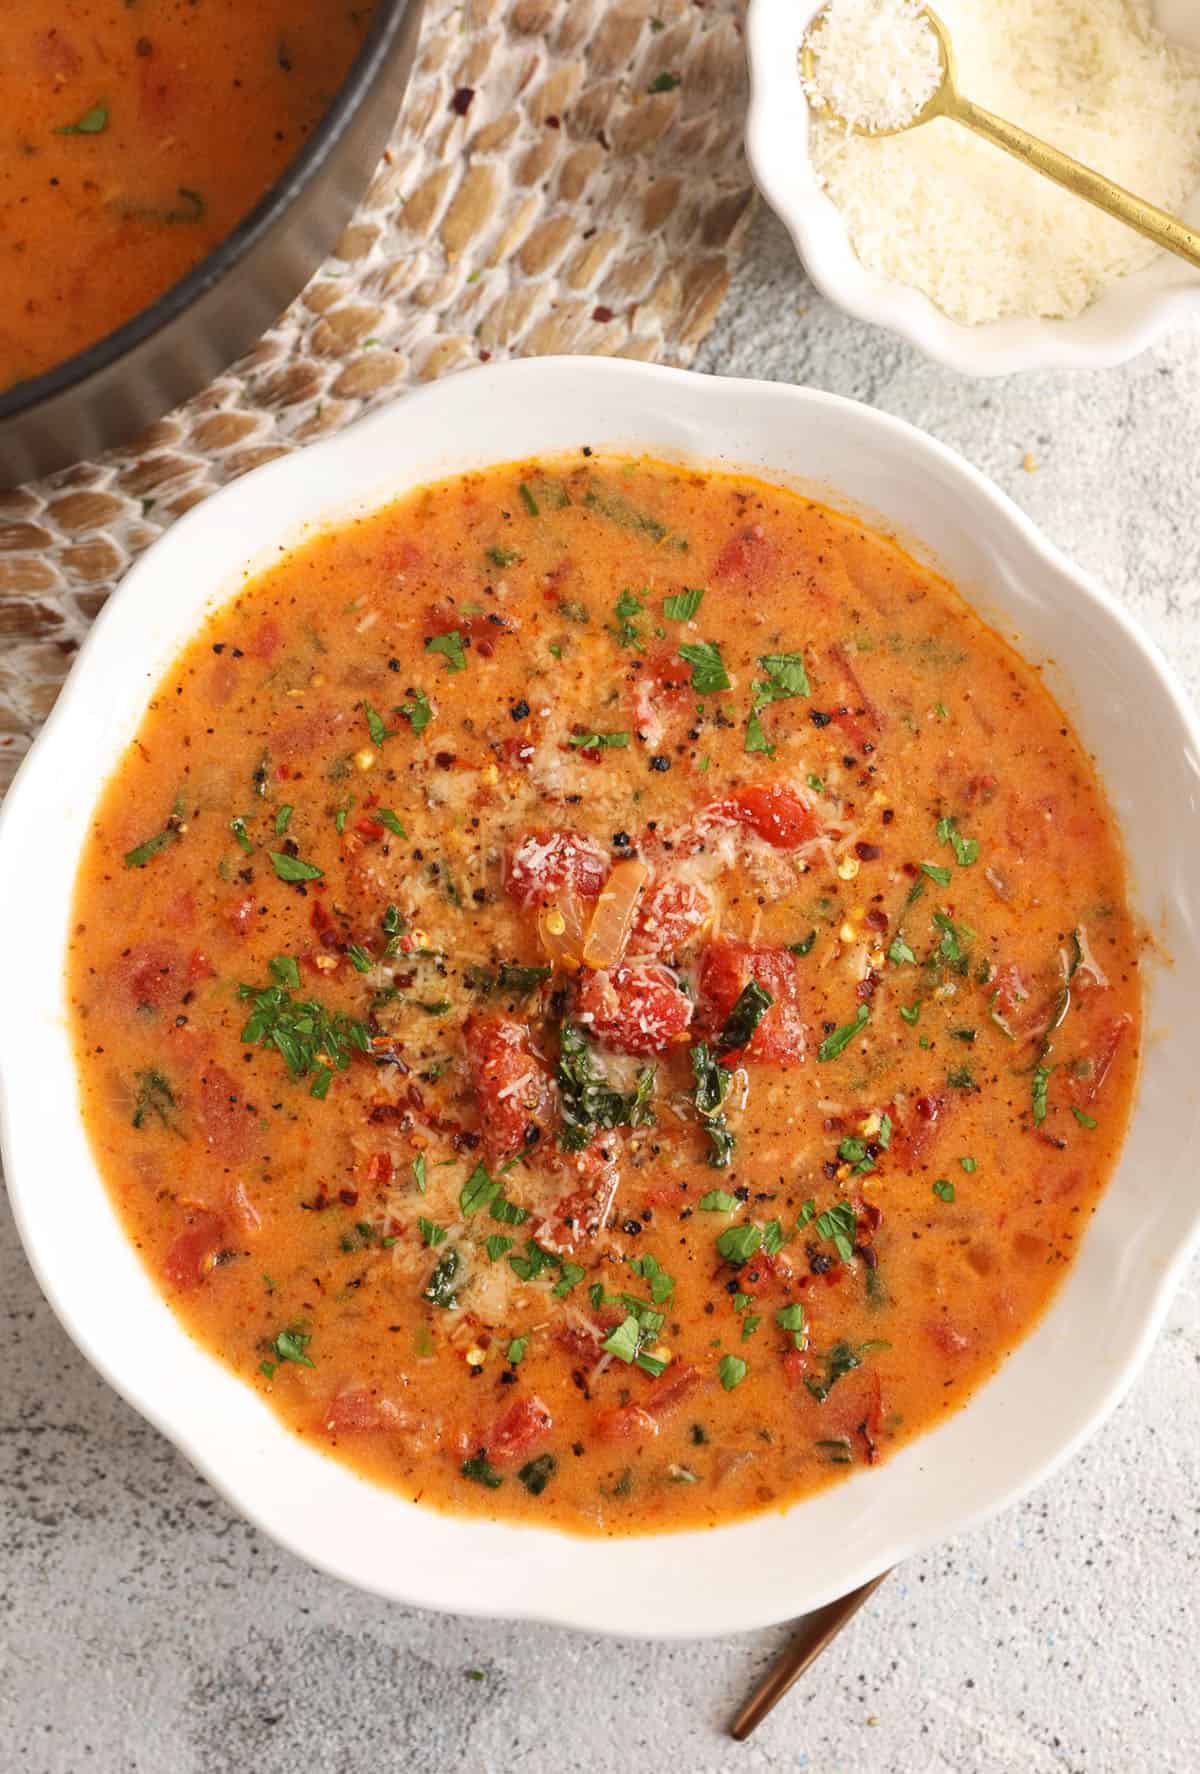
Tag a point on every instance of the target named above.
point(983, 236)
point(875, 62)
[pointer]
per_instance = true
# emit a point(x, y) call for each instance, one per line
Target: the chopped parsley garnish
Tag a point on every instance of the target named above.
point(477, 1469)
point(477, 1191)
point(292, 868)
point(711, 1087)
point(961, 1078)
point(900, 953)
point(375, 726)
point(440, 1289)
point(628, 1341)
point(732, 1370)
point(285, 971)
point(663, 82)
point(92, 123)
point(528, 500)
point(786, 677)
point(841, 1037)
point(237, 826)
point(282, 817)
point(708, 668)
point(717, 1201)
point(516, 1350)
point(805, 947)
point(737, 1244)
point(625, 630)
point(309, 1037)
point(854, 1151)
point(507, 1212)
point(839, 1224)
point(753, 1002)
point(536, 1474)
point(956, 939)
point(431, 1232)
point(791, 1319)
point(937, 873)
point(599, 741)
point(503, 557)
point(497, 1246)
point(840, 1361)
point(521, 979)
point(966, 850)
point(155, 1097)
point(968, 1164)
point(451, 647)
point(418, 1170)
point(589, 1101)
point(1083, 1119)
point(682, 605)
point(358, 958)
point(418, 713)
point(910, 1012)
point(662, 1287)
point(1041, 1086)
point(140, 855)
point(292, 1345)
point(944, 1189)
point(386, 817)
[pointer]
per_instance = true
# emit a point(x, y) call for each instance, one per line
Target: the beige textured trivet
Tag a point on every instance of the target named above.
point(566, 175)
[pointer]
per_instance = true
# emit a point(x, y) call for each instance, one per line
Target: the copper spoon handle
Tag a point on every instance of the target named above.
point(816, 1630)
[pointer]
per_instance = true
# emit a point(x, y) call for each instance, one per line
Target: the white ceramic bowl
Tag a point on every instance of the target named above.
point(1130, 315)
point(1063, 1379)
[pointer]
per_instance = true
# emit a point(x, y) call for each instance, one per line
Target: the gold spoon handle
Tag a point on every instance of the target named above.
point(812, 1635)
point(1163, 229)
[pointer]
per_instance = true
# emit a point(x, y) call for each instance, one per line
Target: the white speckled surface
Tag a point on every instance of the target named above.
point(144, 1628)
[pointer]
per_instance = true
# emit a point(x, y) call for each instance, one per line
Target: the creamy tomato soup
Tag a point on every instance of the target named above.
point(136, 137)
point(605, 993)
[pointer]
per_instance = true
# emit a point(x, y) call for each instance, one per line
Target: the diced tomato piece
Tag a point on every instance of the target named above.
point(621, 1422)
point(670, 1389)
point(266, 640)
point(189, 1258)
point(379, 1168)
point(1008, 991)
point(526, 1422)
point(771, 1271)
point(1029, 824)
point(914, 1137)
point(359, 1411)
point(635, 1009)
point(773, 812)
point(153, 973)
point(796, 1364)
point(545, 863)
point(401, 555)
point(304, 734)
point(518, 752)
point(239, 913)
point(669, 914)
point(855, 1407)
point(864, 711)
point(511, 1085)
point(584, 1206)
point(1103, 1050)
point(945, 1335)
point(482, 630)
point(222, 1116)
point(749, 555)
point(725, 968)
point(199, 967)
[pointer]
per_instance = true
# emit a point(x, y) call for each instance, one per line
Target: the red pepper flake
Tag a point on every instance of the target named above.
point(553, 122)
point(460, 100)
point(602, 314)
point(348, 1197)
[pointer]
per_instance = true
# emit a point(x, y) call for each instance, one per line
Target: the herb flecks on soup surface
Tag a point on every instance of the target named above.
point(137, 138)
point(606, 993)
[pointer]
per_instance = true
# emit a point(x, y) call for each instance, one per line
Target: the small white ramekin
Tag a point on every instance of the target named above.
point(1128, 317)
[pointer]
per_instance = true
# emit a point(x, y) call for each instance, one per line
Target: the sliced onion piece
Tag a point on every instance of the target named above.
point(612, 919)
point(561, 930)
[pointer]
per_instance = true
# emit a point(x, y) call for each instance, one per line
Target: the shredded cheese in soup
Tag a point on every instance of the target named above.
point(605, 993)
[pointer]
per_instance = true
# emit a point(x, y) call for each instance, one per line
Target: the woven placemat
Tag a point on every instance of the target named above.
point(566, 175)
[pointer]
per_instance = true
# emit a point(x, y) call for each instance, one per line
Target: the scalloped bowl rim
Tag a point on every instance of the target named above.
point(1058, 1385)
point(1127, 318)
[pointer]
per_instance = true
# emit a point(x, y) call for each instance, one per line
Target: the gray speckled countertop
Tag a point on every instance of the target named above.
point(144, 1627)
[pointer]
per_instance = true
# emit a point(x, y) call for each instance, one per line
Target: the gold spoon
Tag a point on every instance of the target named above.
point(814, 1632)
point(1154, 223)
